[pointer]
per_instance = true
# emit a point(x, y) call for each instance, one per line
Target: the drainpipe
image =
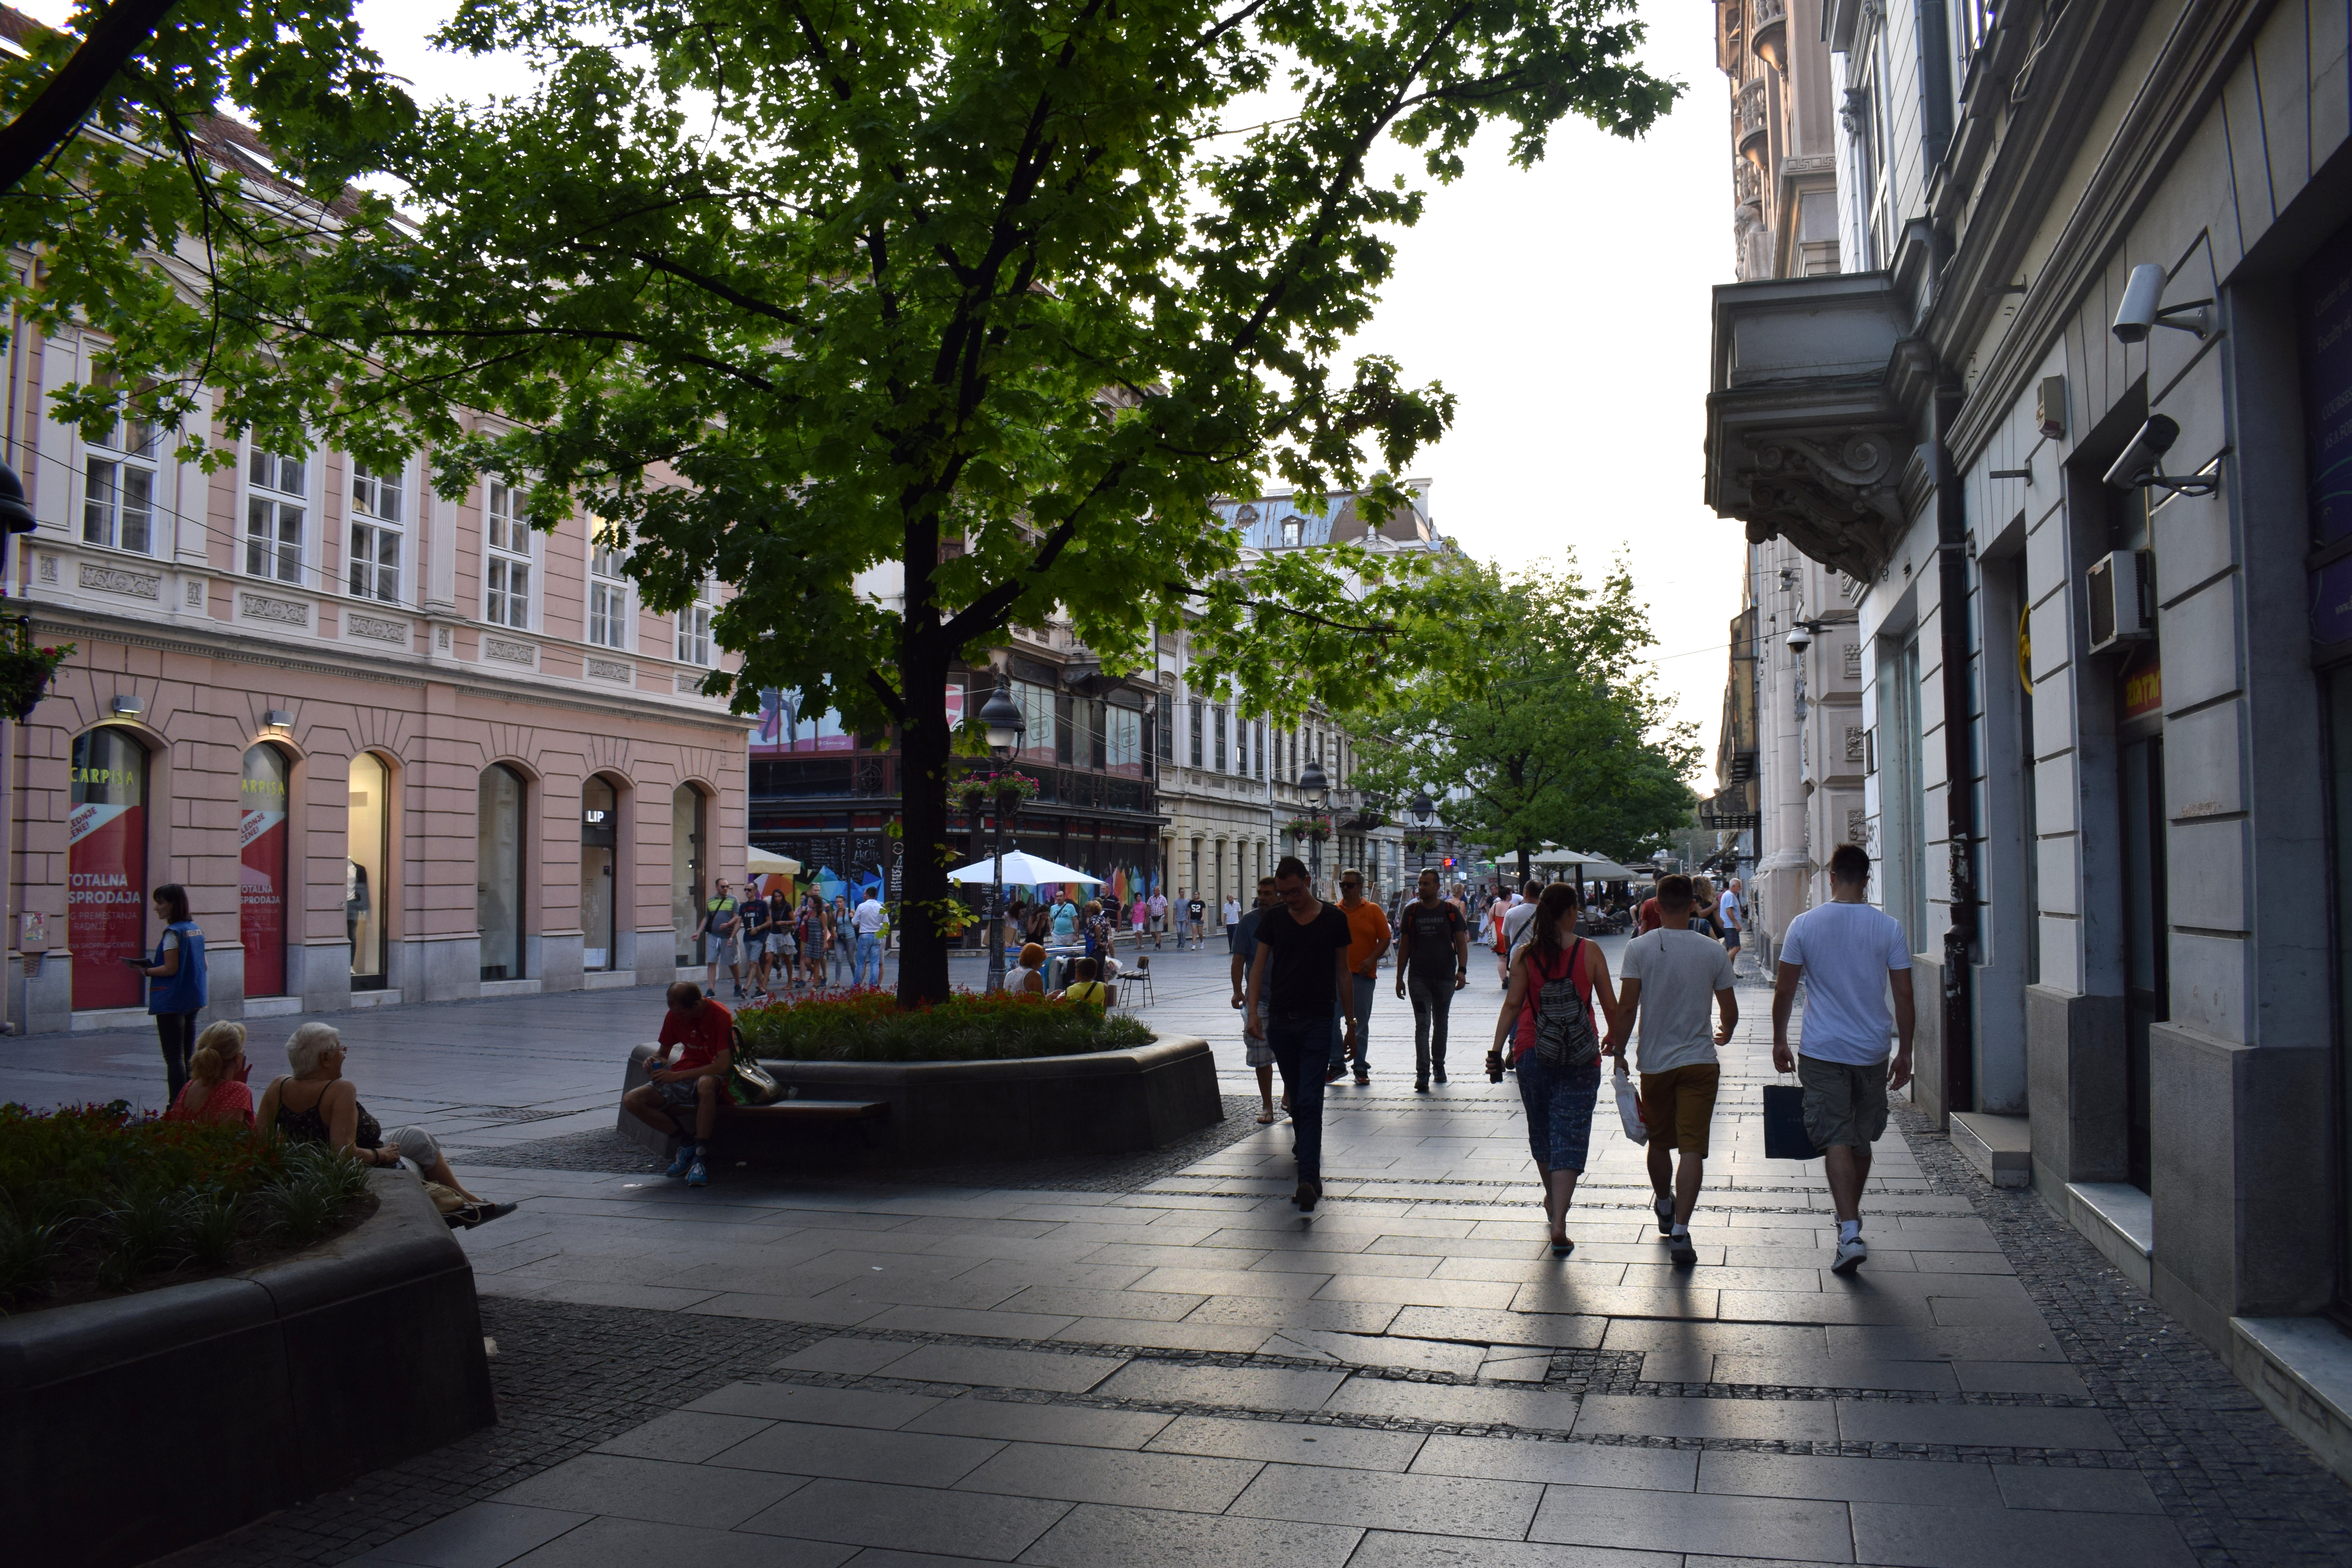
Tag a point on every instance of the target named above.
point(1959, 792)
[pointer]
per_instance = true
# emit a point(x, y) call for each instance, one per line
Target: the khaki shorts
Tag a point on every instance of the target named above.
point(1844, 1104)
point(1678, 1104)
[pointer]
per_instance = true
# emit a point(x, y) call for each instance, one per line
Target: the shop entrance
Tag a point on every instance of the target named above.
point(2146, 986)
point(261, 870)
point(105, 868)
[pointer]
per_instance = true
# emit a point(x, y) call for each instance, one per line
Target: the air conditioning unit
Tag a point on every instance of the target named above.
point(2123, 598)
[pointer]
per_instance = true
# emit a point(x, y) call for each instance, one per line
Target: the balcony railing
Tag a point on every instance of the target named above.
point(1753, 118)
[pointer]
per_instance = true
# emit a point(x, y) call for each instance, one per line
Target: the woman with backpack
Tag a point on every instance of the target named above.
point(1556, 976)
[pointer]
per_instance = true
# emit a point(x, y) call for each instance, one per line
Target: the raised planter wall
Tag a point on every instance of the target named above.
point(1105, 1102)
point(134, 1426)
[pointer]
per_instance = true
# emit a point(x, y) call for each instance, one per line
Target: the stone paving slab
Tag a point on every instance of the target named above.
point(1169, 1365)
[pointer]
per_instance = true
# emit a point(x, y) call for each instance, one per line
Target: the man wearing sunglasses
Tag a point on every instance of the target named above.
point(1300, 973)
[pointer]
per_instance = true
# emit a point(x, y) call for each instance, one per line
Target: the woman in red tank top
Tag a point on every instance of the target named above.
point(1558, 1100)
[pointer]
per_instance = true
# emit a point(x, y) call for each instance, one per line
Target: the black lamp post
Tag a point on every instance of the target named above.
point(1425, 813)
point(1001, 717)
point(1318, 791)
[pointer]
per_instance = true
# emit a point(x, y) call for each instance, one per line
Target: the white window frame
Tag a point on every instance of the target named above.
point(510, 557)
point(612, 608)
point(378, 517)
point(265, 557)
point(111, 473)
point(694, 644)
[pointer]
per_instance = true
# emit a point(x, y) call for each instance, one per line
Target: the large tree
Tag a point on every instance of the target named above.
point(1540, 721)
point(123, 170)
point(917, 320)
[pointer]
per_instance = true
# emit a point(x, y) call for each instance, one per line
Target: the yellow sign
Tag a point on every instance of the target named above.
point(2025, 649)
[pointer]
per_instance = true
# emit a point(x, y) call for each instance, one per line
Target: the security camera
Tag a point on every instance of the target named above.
point(2145, 456)
point(1800, 637)
point(2143, 308)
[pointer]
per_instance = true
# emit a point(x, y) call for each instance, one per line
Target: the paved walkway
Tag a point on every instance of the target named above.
point(893, 1375)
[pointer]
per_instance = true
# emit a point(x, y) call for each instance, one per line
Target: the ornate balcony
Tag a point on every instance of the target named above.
point(1754, 119)
point(1806, 438)
point(1768, 34)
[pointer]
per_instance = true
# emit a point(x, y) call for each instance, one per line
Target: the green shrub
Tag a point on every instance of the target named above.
point(870, 1026)
point(91, 1195)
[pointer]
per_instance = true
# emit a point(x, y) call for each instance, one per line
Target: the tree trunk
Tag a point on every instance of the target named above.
point(924, 746)
point(120, 32)
point(1525, 868)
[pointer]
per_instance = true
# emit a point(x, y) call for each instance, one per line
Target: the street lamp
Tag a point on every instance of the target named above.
point(1424, 814)
point(1317, 788)
point(1000, 716)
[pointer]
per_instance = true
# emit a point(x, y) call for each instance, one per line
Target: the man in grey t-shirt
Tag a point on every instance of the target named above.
point(1666, 976)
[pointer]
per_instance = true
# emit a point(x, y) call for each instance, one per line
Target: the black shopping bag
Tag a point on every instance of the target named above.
point(1784, 1124)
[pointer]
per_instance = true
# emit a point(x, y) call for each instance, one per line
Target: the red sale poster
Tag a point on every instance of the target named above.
point(261, 872)
point(106, 870)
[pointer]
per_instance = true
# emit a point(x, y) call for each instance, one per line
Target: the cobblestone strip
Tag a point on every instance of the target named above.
point(2245, 1492)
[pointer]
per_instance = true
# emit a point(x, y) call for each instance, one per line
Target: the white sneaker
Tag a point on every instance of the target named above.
point(1851, 1255)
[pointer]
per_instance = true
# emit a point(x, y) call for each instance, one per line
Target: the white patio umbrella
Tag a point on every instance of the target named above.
point(1020, 869)
point(766, 863)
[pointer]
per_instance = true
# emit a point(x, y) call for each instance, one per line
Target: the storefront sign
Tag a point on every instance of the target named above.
point(2143, 686)
point(106, 870)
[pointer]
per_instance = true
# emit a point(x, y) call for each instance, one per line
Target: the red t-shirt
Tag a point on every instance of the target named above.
point(705, 1033)
point(1649, 920)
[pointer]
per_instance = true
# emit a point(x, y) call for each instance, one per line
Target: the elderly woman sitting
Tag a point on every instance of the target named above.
point(317, 1104)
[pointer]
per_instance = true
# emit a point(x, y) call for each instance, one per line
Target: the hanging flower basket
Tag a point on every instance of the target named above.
point(25, 669)
point(1313, 828)
point(973, 791)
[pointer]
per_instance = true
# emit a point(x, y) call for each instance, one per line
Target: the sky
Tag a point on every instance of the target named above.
point(1565, 307)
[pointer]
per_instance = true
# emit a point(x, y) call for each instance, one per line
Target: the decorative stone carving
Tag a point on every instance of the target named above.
point(611, 669)
point(1853, 652)
point(1838, 501)
point(115, 580)
point(262, 607)
point(194, 595)
point(375, 628)
point(1854, 744)
point(1857, 826)
point(49, 568)
point(507, 652)
point(689, 683)
point(441, 639)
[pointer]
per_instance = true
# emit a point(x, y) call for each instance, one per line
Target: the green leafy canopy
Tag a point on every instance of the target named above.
point(1542, 719)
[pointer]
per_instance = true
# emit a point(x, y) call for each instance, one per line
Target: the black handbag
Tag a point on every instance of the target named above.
point(1785, 1137)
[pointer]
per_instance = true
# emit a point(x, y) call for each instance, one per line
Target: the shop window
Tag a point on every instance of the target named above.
point(276, 504)
point(498, 873)
point(600, 819)
point(378, 517)
point(105, 868)
point(688, 809)
point(367, 869)
point(261, 870)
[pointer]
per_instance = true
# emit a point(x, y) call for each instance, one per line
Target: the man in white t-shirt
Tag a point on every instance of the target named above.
point(1849, 956)
point(1233, 911)
point(866, 921)
point(1159, 919)
point(1667, 976)
point(1732, 919)
point(1515, 921)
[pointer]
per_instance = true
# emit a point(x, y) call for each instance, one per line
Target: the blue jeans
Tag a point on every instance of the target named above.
point(869, 951)
point(1339, 1056)
point(1295, 1040)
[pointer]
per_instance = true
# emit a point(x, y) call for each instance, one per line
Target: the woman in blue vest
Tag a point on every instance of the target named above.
point(175, 981)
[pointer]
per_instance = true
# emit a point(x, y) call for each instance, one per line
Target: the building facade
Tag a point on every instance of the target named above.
point(396, 747)
point(2065, 434)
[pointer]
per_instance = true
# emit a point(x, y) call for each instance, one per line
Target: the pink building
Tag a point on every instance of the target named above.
point(397, 749)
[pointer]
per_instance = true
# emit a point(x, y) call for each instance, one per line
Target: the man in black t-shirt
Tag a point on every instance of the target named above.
point(1432, 963)
point(1299, 973)
point(1196, 912)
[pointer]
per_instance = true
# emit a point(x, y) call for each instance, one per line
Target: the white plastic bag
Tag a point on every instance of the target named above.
point(1629, 1106)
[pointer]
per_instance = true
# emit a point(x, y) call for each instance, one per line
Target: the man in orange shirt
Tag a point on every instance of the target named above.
point(702, 1032)
point(1369, 931)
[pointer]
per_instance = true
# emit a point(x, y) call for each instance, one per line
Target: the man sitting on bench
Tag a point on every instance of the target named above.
point(693, 1088)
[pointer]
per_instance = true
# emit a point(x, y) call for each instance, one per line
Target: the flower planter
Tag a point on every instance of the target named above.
point(133, 1426)
point(1104, 1102)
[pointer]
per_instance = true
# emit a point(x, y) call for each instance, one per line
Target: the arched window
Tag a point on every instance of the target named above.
point(687, 862)
point(261, 870)
point(105, 868)
point(599, 840)
point(367, 869)
point(498, 873)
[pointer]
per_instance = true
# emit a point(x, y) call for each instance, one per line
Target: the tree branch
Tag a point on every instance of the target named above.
point(70, 96)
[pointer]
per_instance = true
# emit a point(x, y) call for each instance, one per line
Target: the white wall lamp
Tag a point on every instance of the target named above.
point(2141, 466)
point(127, 706)
point(2143, 310)
point(278, 721)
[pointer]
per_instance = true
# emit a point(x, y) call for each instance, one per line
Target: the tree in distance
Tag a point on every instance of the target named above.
point(1539, 721)
point(916, 321)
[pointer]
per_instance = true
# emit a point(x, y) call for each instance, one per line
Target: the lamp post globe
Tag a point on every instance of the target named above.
point(1316, 787)
point(1424, 812)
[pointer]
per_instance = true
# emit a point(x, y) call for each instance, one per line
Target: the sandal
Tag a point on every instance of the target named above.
point(1562, 1248)
point(1265, 1118)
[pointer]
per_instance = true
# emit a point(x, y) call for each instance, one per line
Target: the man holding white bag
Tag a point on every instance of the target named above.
point(1666, 976)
